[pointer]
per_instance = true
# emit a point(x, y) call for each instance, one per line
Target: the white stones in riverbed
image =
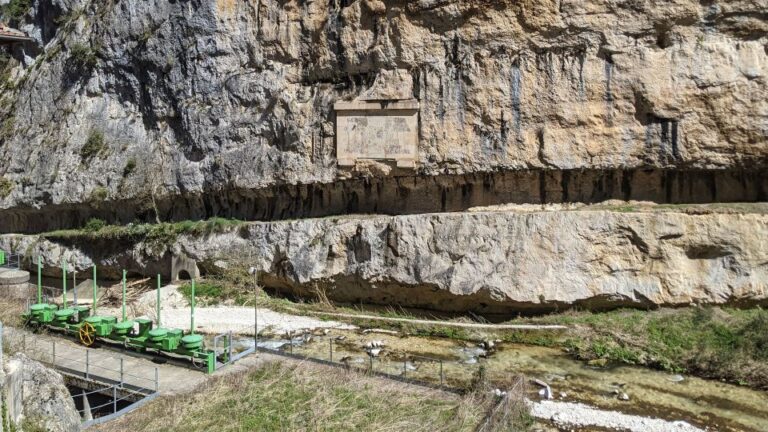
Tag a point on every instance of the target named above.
point(373, 348)
point(568, 414)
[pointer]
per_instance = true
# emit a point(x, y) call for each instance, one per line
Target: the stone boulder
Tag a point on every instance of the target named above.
point(43, 395)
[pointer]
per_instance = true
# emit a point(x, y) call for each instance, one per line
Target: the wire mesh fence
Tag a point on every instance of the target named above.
point(332, 347)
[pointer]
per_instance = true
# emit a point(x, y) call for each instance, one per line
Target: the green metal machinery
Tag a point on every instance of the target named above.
point(138, 334)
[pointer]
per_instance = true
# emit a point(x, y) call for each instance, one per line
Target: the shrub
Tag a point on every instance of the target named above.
point(16, 9)
point(99, 194)
point(83, 55)
point(93, 146)
point(130, 166)
point(94, 224)
point(6, 187)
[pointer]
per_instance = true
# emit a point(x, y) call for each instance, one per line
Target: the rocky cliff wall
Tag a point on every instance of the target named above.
point(496, 262)
point(142, 109)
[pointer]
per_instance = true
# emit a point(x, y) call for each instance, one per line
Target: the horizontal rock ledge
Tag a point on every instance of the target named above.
point(494, 263)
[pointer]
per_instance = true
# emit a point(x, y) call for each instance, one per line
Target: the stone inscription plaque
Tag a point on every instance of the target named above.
point(376, 130)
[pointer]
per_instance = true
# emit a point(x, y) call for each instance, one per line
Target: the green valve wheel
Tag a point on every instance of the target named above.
point(123, 328)
point(157, 334)
point(192, 342)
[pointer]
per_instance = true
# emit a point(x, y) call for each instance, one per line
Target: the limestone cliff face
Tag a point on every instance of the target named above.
point(489, 262)
point(145, 108)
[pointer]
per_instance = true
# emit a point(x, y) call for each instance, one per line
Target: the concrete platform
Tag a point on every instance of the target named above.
point(14, 284)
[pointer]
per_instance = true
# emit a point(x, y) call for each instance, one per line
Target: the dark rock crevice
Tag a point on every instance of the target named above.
point(405, 195)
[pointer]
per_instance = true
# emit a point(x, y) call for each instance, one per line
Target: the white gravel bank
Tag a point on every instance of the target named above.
point(220, 319)
point(576, 414)
point(217, 319)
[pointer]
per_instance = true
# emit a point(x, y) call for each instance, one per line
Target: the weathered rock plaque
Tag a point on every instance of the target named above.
point(377, 131)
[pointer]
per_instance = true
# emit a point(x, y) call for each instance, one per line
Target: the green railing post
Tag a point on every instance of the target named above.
point(64, 282)
point(95, 288)
point(39, 280)
point(158, 301)
point(192, 315)
point(74, 285)
point(123, 295)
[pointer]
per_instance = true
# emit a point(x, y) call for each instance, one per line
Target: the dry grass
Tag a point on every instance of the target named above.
point(305, 396)
point(10, 312)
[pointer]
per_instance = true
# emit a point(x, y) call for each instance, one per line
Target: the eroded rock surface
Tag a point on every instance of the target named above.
point(491, 262)
point(45, 398)
point(191, 105)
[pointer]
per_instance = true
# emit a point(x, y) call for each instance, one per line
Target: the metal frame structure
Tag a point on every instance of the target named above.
point(139, 334)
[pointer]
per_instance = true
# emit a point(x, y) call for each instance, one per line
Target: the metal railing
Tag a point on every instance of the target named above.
point(115, 381)
point(10, 260)
point(88, 366)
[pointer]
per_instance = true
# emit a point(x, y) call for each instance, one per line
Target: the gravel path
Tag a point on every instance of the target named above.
point(220, 319)
point(568, 414)
point(446, 323)
point(217, 319)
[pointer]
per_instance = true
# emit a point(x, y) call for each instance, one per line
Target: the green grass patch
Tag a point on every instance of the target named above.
point(203, 291)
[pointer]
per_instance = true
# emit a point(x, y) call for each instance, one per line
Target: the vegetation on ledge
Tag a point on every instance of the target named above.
point(162, 234)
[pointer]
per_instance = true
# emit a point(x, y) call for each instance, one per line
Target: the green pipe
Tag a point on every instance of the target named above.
point(123, 295)
point(64, 280)
point(39, 280)
point(158, 300)
point(192, 315)
point(94, 289)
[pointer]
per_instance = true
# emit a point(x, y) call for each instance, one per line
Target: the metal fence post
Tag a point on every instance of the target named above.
point(290, 339)
point(87, 364)
point(441, 373)
point(229, 352)
point(157, 381)
point(121, 372)
point(405, 366)
point(114, 399)
point(331, 349)
point(256, 326)
point(371, 357)
point(54, 352)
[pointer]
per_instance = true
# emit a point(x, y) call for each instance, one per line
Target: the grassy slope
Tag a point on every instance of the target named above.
point(288, 397)
point(710, 342)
